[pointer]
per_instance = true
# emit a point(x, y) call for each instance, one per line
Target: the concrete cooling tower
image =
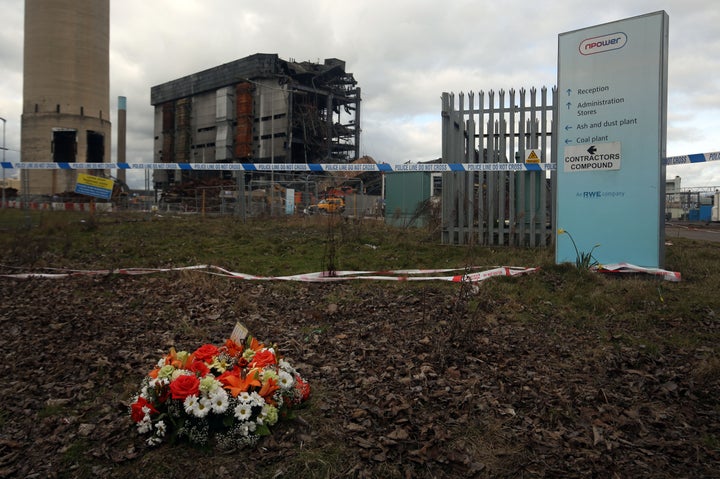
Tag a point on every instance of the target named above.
point(66, 89)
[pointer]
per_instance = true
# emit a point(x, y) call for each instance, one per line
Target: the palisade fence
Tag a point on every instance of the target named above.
point(513, 208)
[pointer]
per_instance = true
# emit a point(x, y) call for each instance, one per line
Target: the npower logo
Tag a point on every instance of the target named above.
point(605, 43)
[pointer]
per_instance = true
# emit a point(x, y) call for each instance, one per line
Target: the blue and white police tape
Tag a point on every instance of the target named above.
point(292, 167)
point(694, 158)
point(328, 167)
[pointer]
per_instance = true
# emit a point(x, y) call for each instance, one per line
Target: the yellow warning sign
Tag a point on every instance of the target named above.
point(94, 186)
point(533, 156)
point(96, 181)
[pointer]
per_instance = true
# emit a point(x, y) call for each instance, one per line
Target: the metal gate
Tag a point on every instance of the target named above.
point(509, 207)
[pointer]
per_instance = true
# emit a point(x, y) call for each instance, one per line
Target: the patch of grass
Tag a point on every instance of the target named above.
point(298, 245)
point(326, 461)
point(276, 247)
point(488, 445)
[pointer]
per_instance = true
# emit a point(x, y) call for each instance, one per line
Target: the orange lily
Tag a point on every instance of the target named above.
point(233, 349)
point(172, 359)
point(256, 345)
point(233, 382)
point(268, 389)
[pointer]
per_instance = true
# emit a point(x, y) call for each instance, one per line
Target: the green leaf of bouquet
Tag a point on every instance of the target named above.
point(228, 421)
point(262, 430)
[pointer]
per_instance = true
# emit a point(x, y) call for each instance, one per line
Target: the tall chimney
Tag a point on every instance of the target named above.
point(121, 135)
point(66, 90)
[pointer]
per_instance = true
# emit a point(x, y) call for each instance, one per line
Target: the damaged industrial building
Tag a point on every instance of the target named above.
point(258, 109)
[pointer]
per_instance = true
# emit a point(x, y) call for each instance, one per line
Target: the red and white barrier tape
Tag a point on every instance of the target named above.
point(631, 268)
point(319, 277)
point(394, 275)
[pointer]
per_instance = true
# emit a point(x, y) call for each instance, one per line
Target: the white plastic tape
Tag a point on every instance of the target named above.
point(318, 277)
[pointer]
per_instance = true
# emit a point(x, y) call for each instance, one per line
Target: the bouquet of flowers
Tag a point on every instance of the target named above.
point(233, 393)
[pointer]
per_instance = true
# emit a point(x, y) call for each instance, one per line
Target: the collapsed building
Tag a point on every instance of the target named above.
point(259, 109)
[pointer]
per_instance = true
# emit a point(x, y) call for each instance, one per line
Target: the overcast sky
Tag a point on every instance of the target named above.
point(403, 53)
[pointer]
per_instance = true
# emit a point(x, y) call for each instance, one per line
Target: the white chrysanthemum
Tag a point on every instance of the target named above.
point(285, 380)
point(189, 403)
point(219, 401)
point(202, 408)
point(244, 397)
point(256, 399)
point(286, 366)
point(243, 411)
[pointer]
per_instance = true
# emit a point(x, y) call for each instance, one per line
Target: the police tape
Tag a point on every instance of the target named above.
point(631, 268)
point(291, 167)
point(694, 158)
point(328, 167)
point(325, 276)
point(316, 277)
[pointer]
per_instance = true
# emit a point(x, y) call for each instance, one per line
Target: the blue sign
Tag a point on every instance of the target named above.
point(89, 190)
point(612, 108)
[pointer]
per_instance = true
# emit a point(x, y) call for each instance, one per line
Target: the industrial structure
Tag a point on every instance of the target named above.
point(698, 203)
point(258, 109)
point(66, 90)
